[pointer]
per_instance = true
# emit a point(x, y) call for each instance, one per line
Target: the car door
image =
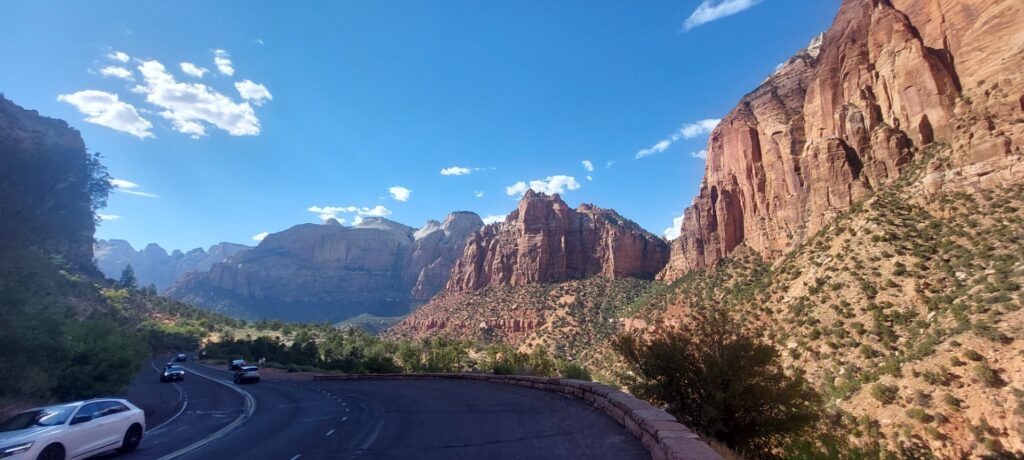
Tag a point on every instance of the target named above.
point(84, 431)
point(111, 420)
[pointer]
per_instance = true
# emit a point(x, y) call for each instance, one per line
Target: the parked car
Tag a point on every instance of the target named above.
point(182, 357)
point(171, 373)
point(73, 430)
point(247, 374)
point(236, 365)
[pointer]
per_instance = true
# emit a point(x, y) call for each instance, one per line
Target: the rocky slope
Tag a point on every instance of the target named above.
point(153, 265)
point(328, 272)
point(546, 241)
point(843, 118)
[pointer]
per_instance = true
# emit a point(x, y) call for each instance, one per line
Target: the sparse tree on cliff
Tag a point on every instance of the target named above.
point(128, 279)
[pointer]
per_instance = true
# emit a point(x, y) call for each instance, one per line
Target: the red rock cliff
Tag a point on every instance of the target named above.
point(844, 116)
point(545, 241)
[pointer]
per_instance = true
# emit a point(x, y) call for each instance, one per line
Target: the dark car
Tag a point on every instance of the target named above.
point(236, 365)
point(247, 374)
point(172, 373)
point(182, 357)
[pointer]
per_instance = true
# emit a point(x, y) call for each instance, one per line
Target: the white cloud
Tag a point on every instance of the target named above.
point(687, 131)
point(193, 70)
point(590, 177)
point(709, 11)
point(129, 187)
point(674, 231)
point(456, 171)
point(106, 109)
point(260, 41)
point(588, 165)
point(189, 105)
point(223, 61)
point(400, 193)
point(255, 92)
point(121, 183)
point(332, 212)
point(118, 56)
point(108, 217)
point(550, 185)
point(703, 154)
point(116, 71)
point(609, 164)
point(478, 194)
point(493, 219)
point(260, 236)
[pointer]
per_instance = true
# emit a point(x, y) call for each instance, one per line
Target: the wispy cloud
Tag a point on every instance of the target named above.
point(549, 185)
point(118, 56)
point(493, 219)
point(117, 72)
point(587, 165)
point(129, 187)
point(687, 131)
point(260, 236)
point(702, 154)
point(223, 61)
point(106, 109)
point(108, 217)
point(335, 212)
point(478, 194)
point(400, 193)
point(193, 70)
point(456, 171)
point(711, 10)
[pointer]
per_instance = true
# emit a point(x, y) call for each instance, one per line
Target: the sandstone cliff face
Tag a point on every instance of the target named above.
point(317, 272)
point(45, 182)
point(546, 241)
point(839, 120)
point(153, 265)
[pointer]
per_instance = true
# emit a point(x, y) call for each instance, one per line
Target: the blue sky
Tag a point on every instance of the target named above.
point(335, 105)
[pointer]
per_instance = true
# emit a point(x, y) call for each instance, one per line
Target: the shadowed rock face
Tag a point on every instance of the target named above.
point(328, 272)
point(847, 114)
point(546, 241)
point(153, 265)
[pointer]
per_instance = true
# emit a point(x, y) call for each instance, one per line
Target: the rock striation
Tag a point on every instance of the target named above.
point(848, 114)
point(546, 241)
point(153, 265)
point(329, 272)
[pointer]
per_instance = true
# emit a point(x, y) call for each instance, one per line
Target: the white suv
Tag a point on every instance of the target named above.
point(73, 430)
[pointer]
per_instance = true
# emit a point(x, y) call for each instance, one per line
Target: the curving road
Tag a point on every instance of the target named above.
point(206, 416)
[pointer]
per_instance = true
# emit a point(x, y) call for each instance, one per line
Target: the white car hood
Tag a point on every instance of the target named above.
point(29, 434)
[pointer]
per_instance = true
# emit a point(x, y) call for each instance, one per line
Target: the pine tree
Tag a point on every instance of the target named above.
point(128, 279)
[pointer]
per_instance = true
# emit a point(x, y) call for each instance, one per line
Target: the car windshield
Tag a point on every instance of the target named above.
point(174, 369)
point(250, 369)
point(47, 416)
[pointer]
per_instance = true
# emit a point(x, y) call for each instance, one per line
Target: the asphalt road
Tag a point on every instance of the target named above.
point(211, 418)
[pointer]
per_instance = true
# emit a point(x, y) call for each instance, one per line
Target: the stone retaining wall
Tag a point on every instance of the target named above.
point(660, 433)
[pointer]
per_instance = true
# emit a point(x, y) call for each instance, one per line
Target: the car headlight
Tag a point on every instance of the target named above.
point(16, 449)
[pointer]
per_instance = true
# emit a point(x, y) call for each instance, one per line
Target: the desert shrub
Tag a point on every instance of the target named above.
point(570, 370)
point(987, 375)
point(885, 394)
point(717, 377)
point(973, 355)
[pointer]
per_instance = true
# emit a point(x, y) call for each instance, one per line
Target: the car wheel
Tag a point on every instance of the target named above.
point(52, 452)
point(131, 440)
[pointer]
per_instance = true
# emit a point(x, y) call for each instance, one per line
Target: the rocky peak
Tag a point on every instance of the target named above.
point(544, 240)
point(849, 113)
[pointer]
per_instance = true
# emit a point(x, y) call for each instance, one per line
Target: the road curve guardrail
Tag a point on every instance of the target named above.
point(658, 431)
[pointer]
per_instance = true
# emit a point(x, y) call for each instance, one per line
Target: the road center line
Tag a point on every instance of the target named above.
point(329, 433)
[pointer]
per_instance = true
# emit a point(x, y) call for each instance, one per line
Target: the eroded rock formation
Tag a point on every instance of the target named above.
point(886, 81)
point(318, 272)
point(546, 241)
point(153, 265)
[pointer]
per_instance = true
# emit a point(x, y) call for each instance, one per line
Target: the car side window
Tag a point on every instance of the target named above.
point(110, 408)
point(87, 412)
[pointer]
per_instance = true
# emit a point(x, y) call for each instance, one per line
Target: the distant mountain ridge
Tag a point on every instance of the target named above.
point(329, 272)
point(153, 265)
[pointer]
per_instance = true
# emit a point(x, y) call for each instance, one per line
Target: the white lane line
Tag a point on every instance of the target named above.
point(296, 457)
point(182, 396)
point(315, 419)
point(373, 436)
point(329, 433)
point(344, 418)
point(250, 407)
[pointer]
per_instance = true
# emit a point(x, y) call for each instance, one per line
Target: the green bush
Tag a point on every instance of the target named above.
point(885, 394)
point(719, 378)
point(987, 375)
point(570, 370)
